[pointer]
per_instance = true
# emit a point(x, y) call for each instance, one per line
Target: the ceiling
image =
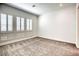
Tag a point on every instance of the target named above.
point(40, 8)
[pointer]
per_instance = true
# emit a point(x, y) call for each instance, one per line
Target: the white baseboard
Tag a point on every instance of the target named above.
point(12, 41)
point(57, 39)
point(77, 45)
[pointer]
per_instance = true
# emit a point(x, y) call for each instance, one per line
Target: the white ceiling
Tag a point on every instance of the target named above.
point(41, 8)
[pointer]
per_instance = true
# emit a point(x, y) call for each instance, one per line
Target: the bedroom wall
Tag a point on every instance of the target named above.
point(59, 24)
point(77, 44)
point(18, 35)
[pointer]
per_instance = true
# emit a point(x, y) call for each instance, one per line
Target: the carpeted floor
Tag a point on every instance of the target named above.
point(39, 47)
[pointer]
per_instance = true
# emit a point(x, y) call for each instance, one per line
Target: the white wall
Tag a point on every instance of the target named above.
point(77, 44)
point(59, 25)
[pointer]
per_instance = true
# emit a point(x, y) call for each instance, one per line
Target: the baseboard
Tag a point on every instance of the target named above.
point(77, 45)
point(12, 41)
point(57, 40)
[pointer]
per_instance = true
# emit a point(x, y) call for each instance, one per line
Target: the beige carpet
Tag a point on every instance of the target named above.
point(39, 47)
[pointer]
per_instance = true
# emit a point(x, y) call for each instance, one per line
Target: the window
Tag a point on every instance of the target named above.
point(10, 23)
point(6, 22)
point(29, 24)
point(22, 24)
point(3, 22)
point(18, 23)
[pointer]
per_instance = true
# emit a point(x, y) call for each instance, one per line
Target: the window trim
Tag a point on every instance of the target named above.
point(11, 24)
point(31, 28)
point(6, 23)
point(29, 25)
point(20, 24)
